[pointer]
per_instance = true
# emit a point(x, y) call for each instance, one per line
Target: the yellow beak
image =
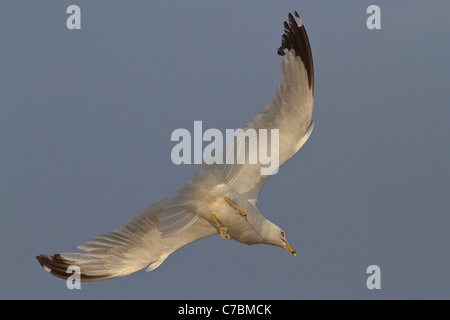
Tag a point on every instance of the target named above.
point(290, 249)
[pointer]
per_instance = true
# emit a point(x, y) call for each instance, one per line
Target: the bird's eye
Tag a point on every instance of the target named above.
point(282, 233)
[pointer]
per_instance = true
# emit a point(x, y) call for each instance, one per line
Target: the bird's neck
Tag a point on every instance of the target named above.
point(269, 231)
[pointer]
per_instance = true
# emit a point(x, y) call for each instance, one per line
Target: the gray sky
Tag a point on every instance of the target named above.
point(87, 115)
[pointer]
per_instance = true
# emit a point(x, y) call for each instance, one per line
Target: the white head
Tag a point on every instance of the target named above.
point(285, 244)
point(278, 238)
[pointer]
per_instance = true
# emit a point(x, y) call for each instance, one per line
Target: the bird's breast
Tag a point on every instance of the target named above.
point(241, 218)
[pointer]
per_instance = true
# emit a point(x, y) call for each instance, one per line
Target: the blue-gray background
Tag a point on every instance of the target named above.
point(86, 118)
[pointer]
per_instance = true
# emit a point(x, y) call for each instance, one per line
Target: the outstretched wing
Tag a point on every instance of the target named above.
point(290, 111)
point(145, 240)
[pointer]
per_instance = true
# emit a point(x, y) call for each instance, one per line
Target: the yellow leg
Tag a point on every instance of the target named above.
point(223, 230)
point(238, 210)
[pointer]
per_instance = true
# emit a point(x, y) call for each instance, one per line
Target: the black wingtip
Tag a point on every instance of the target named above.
point(55, 265)
point(58, 267)
point(295, 38)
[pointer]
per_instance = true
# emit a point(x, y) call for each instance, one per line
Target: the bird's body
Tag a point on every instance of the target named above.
point(213, 195)
point(220, 198)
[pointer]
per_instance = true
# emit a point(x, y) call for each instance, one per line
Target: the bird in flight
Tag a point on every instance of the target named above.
point(220, 198)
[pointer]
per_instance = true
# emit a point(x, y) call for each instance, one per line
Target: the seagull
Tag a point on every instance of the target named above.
point(219, 198)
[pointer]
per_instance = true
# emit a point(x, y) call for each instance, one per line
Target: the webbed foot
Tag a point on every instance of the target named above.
point(223, 230)
point(238, 210)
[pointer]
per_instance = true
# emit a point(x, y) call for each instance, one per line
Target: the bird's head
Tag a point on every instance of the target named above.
point(280, 241)
point(285, 244)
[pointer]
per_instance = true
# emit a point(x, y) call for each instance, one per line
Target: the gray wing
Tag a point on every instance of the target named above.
point(146, 239)
point(290, 111)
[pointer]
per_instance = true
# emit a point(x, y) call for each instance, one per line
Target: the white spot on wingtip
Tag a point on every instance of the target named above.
point(47, 269)
point(299, 19)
